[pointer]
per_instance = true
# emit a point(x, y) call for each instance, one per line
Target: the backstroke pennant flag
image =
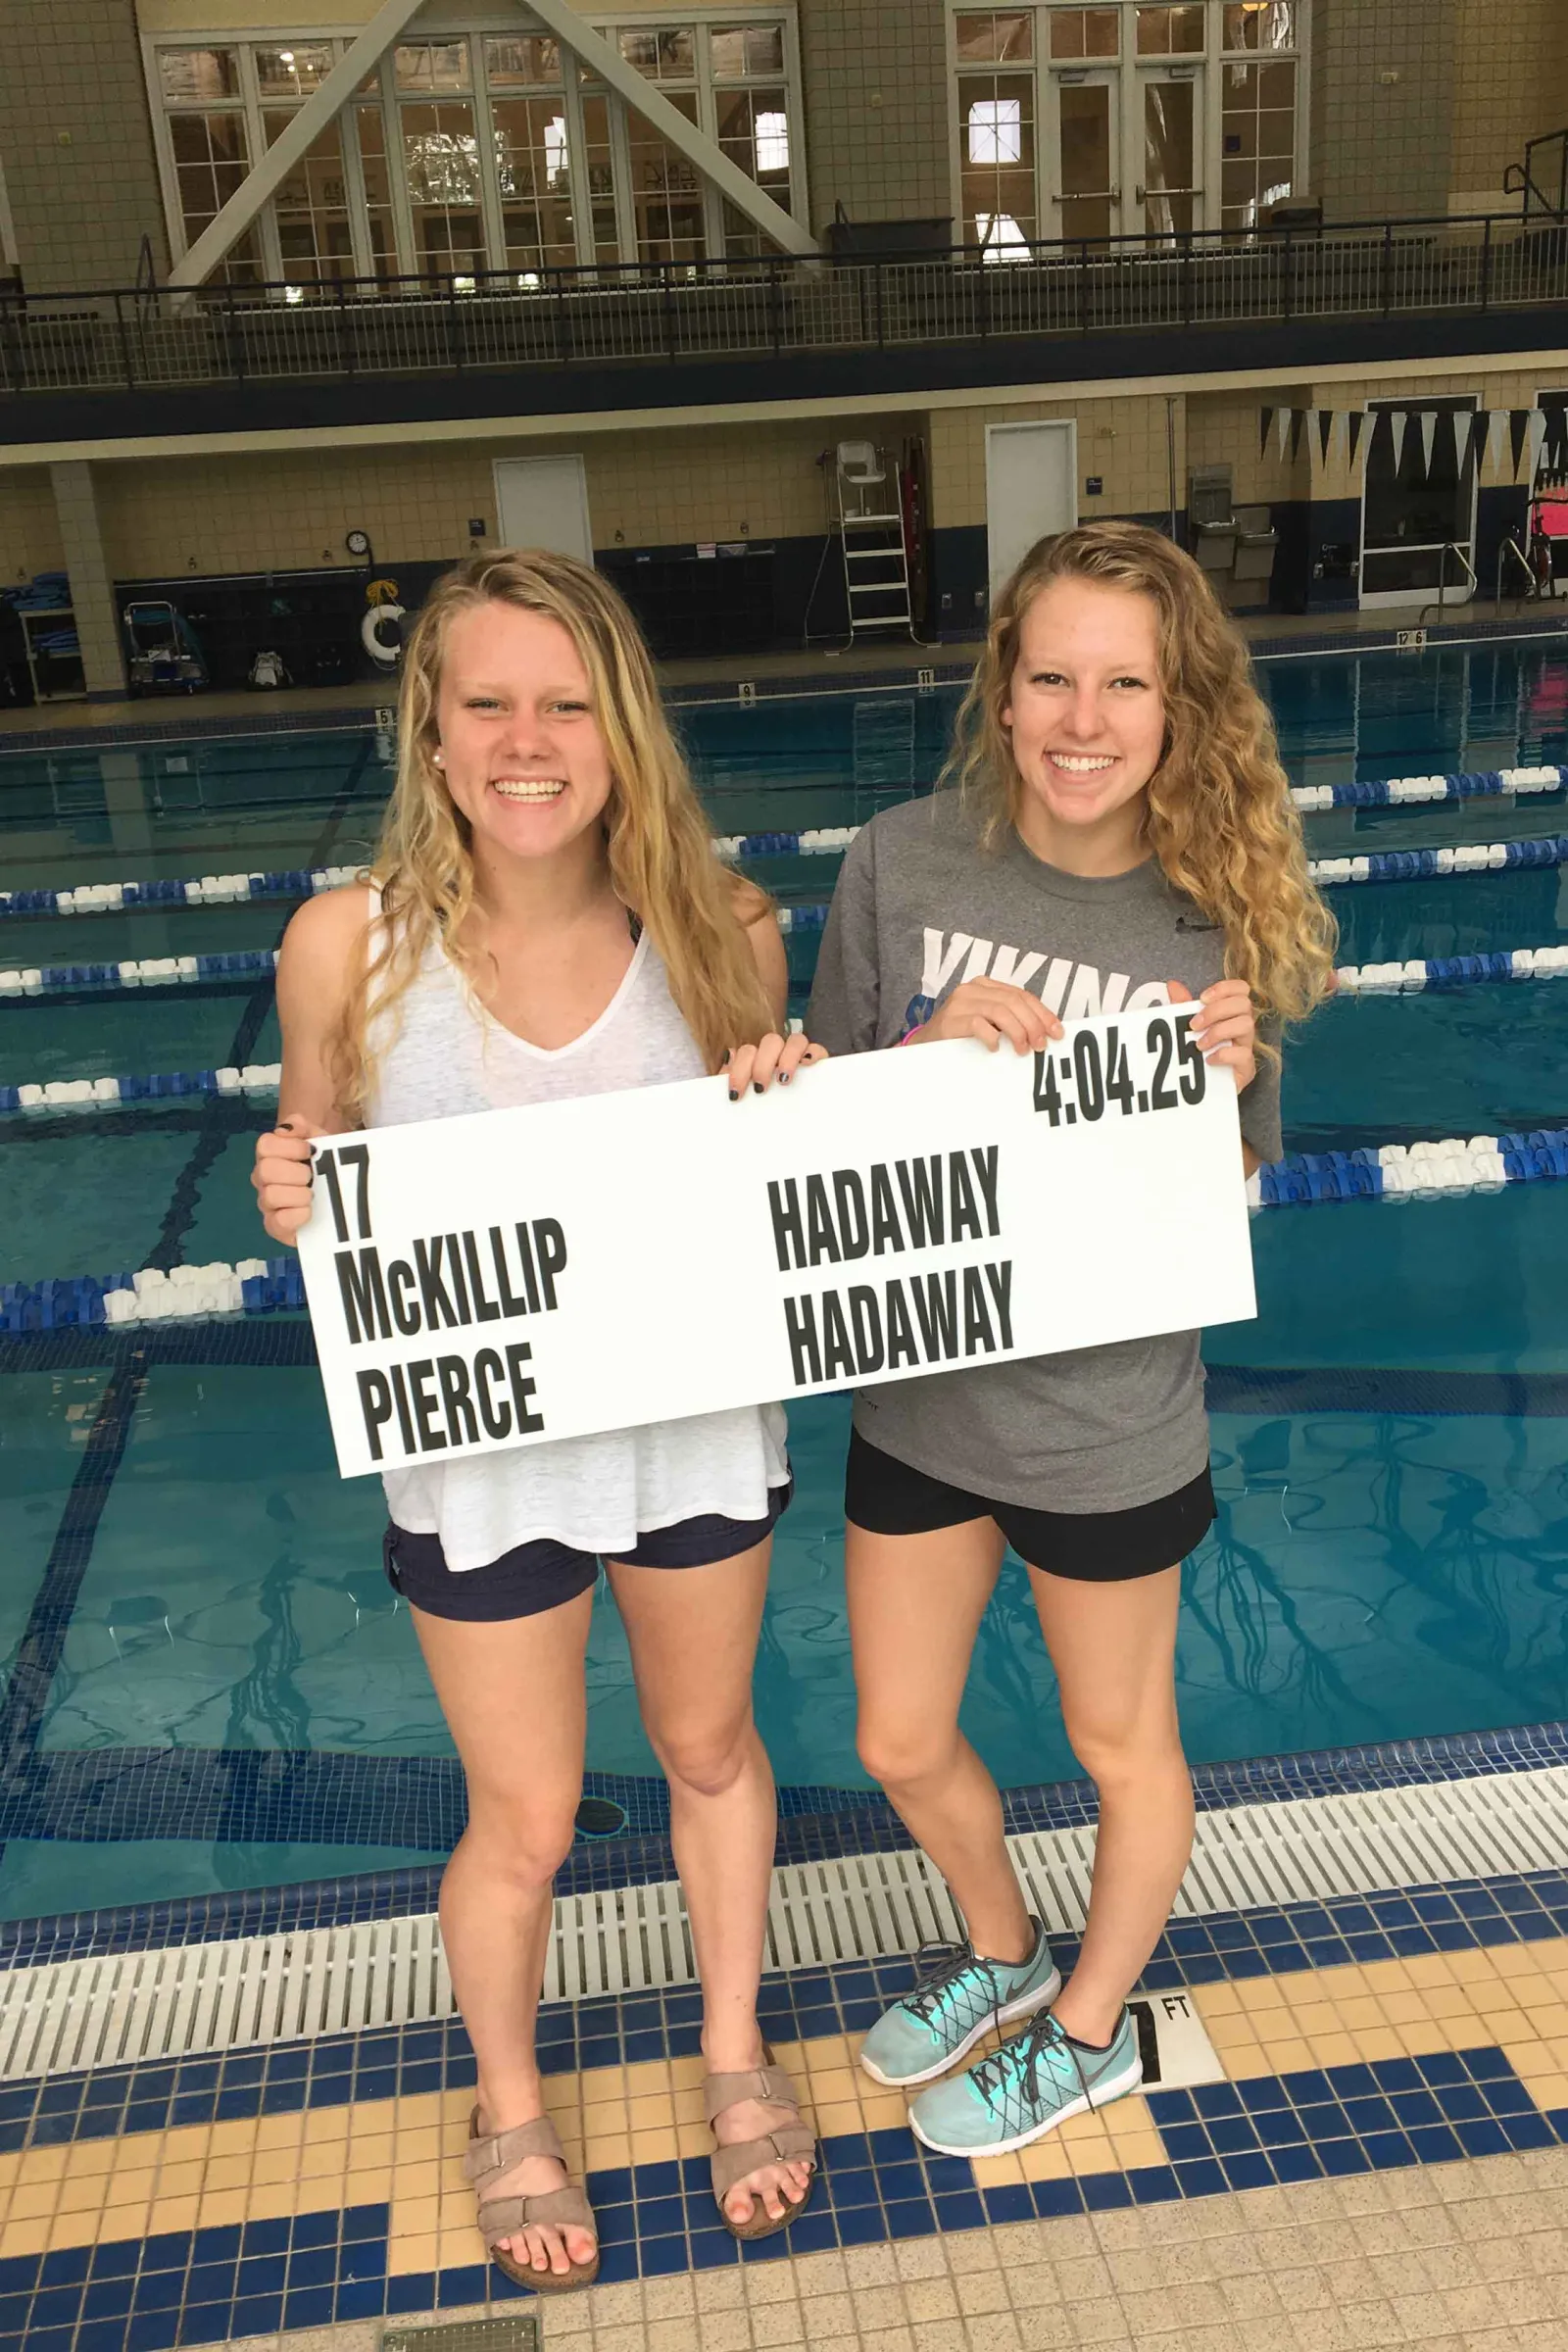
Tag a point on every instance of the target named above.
point(497, 1281)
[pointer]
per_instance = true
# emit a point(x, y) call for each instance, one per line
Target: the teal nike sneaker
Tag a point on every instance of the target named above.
point(957, 1998)
point(1026, 2088)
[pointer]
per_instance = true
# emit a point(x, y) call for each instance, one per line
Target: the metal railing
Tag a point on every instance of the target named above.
point(347, 329)
point(1450, 547)
point(1542, 180)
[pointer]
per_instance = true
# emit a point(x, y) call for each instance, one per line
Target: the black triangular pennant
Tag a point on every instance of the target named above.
point(1518, 434)
point(1555, 449)
point(1325, 430)
point(1297, 422)
point(1262, 438)
point(1357, 421)
point(1480, 426)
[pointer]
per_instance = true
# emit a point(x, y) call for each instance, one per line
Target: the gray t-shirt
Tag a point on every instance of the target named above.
point(920, 908)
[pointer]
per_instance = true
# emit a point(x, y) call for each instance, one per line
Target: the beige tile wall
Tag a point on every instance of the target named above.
point(1226, 429)
point(876, 107)
point(216, 514)
point(1380, 148)
point(30, 529)
point(1512, 85)
point(76, 142)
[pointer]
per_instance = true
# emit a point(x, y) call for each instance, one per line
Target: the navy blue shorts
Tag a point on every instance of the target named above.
point(542, 1575)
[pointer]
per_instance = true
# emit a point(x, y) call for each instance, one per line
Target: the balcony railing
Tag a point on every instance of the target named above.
point(347, 329)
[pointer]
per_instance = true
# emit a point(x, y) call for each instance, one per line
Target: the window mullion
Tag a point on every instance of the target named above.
point(626, 201)
point(582, 202)
point(354, 189)
point(485, 140)
point(270, 250)
point(397, 173)
point(713, 238)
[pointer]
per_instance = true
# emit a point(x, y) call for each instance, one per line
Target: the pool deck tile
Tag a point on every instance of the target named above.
point(317, 2184)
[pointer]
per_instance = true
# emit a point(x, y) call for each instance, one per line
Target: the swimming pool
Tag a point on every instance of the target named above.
point(207, 1683)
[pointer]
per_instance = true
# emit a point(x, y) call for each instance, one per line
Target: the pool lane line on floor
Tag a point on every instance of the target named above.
point(43, 1638)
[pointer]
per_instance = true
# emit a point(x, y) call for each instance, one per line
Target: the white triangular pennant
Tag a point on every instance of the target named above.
point(1399, 420)
point(1463, 420)
point(1497, 434)
point(1429, 434)
point(1340, 445)
point(1536, 430)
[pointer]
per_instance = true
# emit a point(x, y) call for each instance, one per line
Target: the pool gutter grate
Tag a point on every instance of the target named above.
point(144, 2007)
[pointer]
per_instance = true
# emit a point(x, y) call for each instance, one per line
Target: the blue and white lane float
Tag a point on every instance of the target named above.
point(212, 890)
point(256, 1082)
point(1400, 1172)
point(1394, 1173)
point(300, 882)
point(147, 972)
point(256, 1286)
point(1376, 866)
point(1409, 792)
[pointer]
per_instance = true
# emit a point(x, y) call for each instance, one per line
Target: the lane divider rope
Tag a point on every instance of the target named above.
point(212, 890)
point(1451, 971)
point(255, 1082)
point(1406, 792)
point(1400, 1172)
point(257, 1285)
point(147, 972)
point(228, 890)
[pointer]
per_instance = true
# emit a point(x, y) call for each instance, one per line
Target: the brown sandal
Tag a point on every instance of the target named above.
point(787, 2142)
point(487, 2156)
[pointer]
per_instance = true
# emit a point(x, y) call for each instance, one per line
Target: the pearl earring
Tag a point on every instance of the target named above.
point(439, 757)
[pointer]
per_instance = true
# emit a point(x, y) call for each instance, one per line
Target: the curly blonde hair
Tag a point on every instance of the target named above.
point(658, 841)
point(1220, 821)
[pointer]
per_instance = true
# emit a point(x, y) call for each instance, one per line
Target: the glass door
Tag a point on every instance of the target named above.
point(1168, 139)
point(1086, 154)
point(1418, 504)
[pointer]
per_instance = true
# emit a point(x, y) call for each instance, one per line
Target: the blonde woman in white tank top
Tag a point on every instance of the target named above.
point(548, 919)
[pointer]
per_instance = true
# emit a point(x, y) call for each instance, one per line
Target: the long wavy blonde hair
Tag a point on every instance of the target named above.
point(1221, 821)
point(658, 842)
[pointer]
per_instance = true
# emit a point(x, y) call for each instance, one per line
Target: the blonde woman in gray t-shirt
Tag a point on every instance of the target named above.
point(1121, 834)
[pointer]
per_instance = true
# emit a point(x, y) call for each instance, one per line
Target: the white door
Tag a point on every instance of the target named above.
point(543, 501)
point(1031, 490)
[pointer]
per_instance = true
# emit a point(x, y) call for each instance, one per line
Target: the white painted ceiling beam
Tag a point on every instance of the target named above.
point(267, 175)
point(604, 59)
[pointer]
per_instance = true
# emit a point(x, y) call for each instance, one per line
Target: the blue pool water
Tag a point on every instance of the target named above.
point(193, 1601)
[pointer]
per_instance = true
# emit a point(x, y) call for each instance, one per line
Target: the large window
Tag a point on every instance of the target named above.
point(208, 143)
point(483, 150)
point(1143, 118)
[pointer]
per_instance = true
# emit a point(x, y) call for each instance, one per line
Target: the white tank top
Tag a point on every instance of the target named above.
point(436, 1054)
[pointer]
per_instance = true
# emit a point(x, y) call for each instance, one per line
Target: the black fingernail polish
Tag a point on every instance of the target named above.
point(756, 1086)
point(734, 1095)
point(783, 1077)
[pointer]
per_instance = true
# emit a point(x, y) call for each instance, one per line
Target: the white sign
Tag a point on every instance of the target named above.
point(516, 1276)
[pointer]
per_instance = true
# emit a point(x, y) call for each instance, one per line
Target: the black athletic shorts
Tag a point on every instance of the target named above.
point(887, 1497)
point(542, 1575)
